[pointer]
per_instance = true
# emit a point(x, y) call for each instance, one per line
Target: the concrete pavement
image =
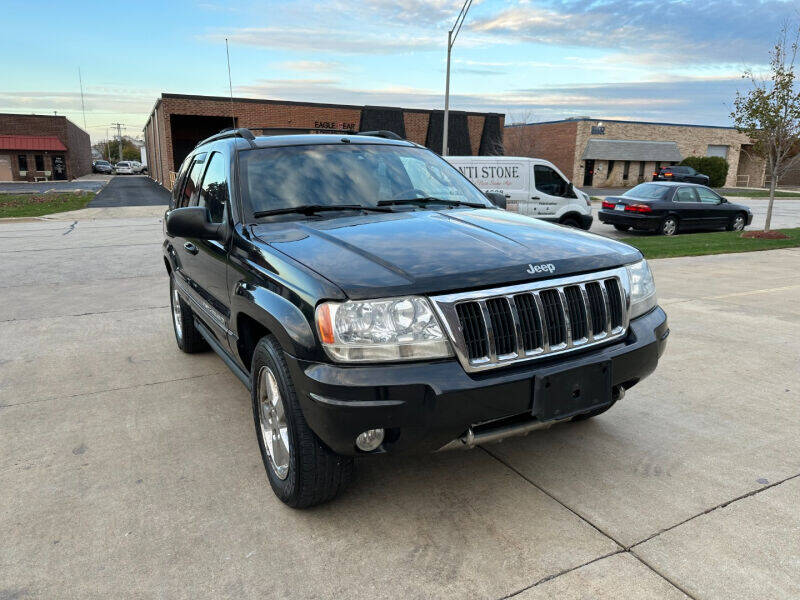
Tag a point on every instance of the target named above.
point(128, 469)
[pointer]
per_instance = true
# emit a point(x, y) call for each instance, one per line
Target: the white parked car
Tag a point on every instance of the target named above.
point(136, 166)
point(124, 168)
point(532, 186)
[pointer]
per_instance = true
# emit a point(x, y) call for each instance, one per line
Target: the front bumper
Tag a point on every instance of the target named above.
point(424, 406)
point(637, 221)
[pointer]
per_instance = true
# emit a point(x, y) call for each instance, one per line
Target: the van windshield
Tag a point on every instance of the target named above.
point(338, 174)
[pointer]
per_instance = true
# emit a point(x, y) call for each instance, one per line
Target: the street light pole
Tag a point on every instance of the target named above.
point(451, 39)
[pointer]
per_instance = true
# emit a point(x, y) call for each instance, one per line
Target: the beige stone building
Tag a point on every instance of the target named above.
point(611, 153)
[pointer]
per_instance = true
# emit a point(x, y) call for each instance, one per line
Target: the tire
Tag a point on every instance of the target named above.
point(302, 471)
point(593, 413)
point(737, 222)
point(669, 226)
point(622, 227)
point(186, 335)
point(570, 222)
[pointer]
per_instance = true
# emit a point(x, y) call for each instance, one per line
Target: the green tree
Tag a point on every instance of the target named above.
point(769, 112)
point(130, 151)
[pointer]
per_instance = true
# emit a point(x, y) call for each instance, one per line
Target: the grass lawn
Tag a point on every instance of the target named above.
point(36, 205)
point(758, 194)
point(697, 244)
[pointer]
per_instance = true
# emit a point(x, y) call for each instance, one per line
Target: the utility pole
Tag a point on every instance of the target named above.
point(119, 137)
point(451, 39)
point(108, 146)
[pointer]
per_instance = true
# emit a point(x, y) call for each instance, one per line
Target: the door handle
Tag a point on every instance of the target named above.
point(190, 248)
point(535, 198)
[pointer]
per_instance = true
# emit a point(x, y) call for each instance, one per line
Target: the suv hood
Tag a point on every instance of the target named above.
point(422, 252)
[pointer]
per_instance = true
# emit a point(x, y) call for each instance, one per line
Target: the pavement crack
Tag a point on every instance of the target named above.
point(714, 508)
point(548, 494)
point(560, 573)
point(71, 228)
point(660, 574)
point(85, 314)
point(116, 389)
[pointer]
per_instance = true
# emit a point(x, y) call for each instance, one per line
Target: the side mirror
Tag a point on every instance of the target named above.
point(193, 222)
point(496, 198)
point(723, 200)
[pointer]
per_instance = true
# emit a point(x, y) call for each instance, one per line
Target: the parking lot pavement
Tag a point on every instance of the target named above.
point(128, 469)
point(93, 184)
point(131, 190)
point(785, 214)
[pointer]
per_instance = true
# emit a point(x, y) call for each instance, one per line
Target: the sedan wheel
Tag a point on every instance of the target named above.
point(738, 223)
point(669, 226)
point(272, 420)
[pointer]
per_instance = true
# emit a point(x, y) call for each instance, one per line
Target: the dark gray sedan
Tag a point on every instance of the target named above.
point(667, 207)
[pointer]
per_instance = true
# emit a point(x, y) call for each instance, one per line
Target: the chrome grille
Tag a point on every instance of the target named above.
point(492, 328)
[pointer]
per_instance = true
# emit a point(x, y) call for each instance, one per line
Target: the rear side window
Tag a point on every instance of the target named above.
point(685, 194)
point(214, 192)
point(548, 181)
point(708, 196)
point(192, 181)
point(647, 191)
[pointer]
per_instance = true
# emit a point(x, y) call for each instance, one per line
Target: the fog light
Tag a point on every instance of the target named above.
point(369, 440)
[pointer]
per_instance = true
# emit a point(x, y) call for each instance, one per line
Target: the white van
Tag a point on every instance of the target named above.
point(533, 186)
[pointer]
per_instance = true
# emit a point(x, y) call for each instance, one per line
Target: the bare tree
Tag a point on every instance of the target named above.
point(518, 141)
point(769, 112)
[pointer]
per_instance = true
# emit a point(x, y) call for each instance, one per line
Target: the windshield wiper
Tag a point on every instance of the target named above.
point(310, 209)
point(429, 200)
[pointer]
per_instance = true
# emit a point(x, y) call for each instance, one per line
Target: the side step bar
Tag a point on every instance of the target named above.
point(226, 358)
point(472, 439)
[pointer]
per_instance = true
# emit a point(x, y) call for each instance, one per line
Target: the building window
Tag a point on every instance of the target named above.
point(717, 150)
point(626, 170)
point(610, 168)
point(39, 162)
point(22, 161)
point(641, 171)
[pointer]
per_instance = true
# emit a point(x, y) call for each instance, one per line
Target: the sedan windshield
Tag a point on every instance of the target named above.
point(648, 191)
point(356, 174)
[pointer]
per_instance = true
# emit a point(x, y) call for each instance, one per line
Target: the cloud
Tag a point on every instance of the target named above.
point(690, 100)
point(308, 39)
point(647, 31)
point(312, 66)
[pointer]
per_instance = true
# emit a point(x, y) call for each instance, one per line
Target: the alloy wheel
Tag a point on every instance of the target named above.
point(669, 227)
point(176, 312)
point(738, 223)
point(272, 420)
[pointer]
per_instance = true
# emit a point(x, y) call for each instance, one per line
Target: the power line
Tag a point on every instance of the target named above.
point(83, 107)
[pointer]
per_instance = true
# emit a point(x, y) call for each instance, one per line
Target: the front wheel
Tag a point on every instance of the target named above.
point(187, 336)
point(737, 223)
point(570, 222)
point(669, 226)
point(302, 471)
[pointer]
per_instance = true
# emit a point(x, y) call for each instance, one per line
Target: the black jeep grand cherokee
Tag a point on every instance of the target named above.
point(373, 300)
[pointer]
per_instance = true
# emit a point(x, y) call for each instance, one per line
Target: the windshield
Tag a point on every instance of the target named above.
point(334, 174)
point(649, 191)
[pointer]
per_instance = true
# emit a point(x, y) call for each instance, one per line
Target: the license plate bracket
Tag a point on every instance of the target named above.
point(561, 394)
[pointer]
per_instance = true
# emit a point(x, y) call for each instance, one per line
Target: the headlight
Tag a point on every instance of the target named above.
point(643, 288)
point(391, 329)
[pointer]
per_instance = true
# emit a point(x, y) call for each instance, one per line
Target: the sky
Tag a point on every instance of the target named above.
point(677, 61)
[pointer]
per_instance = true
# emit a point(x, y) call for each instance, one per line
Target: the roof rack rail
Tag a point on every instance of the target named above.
point(384, 133)
point(230, 132)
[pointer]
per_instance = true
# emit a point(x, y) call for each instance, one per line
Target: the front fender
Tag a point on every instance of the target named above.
point(283, 319)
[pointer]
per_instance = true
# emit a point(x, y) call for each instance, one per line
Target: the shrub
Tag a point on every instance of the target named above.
point(715, 167)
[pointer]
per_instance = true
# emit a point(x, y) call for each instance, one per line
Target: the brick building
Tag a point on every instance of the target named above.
point(610, 153)
point(177, 122)
point(42, 147)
